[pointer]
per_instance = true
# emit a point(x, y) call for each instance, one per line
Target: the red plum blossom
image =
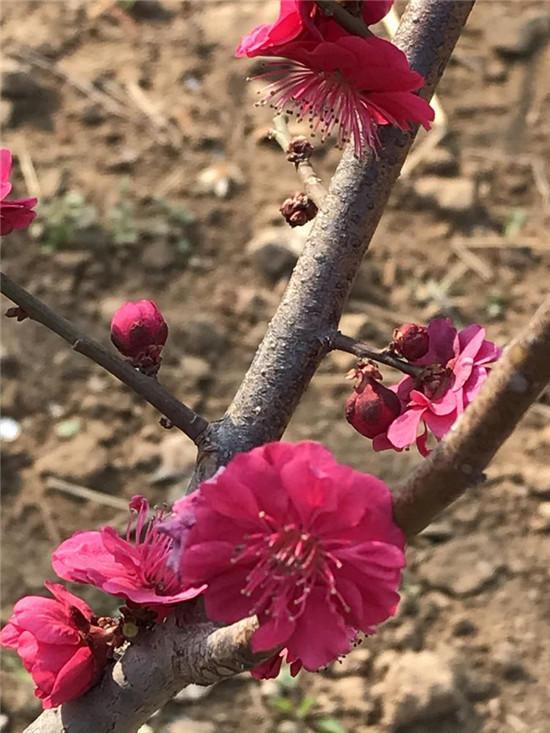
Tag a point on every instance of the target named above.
point(305, 543)
point(61, 643)
point(16, 213)
point(136, 567)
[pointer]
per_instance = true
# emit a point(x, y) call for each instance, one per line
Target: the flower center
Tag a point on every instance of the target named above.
point(328, 99)
point(288, 562)
point(154, 549)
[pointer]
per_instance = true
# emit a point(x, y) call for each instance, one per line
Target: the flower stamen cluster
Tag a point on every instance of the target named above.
point(345, 85)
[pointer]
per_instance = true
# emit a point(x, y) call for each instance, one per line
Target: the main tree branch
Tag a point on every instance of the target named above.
point(318, 290)
point(294, 345)
point(152, 672)
point(181, 416)
point(459, 460)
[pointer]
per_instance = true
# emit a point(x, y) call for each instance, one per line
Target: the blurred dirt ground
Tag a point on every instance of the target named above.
point(136, 128)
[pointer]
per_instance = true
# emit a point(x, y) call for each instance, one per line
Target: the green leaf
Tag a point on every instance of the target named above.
point(68, 428)
point(515, 223)
point(328, 724)
point(305, 707)
point(282, 705)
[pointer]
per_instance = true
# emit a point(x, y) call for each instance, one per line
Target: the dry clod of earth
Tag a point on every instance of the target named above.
point(419, 687)
point(458, 568)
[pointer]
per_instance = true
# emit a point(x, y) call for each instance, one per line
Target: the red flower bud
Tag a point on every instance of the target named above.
point(299, 150)
point(298, 209)
point(411, 341)
point(139, 331)
point(371, 408)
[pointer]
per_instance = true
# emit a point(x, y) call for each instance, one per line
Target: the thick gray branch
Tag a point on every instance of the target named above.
point(152, 672)
point(294, 343)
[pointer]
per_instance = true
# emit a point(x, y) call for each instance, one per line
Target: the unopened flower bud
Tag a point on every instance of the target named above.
point(139, 331)
point(298, 209)
point(299, 150)
point(371, 408)
point(411, 341)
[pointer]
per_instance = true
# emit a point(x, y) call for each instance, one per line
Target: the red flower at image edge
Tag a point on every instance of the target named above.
point(305, 543)
point(303, 21)
point(138, 569)
point(17, 213)
point(349, 86)
point(59, 644)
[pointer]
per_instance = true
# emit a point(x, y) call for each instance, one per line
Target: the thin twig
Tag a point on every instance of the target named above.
point(473, 261)
point(82, 492)
point(505, 243)
point(89, 90)
point(362, 350)
point(459, 460)
point(349, 22)
point(29, 171)
point(153, 113)
point(312, 183)
point(180, 415)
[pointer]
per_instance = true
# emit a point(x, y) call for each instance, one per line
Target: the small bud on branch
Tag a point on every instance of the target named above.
point(297, 210)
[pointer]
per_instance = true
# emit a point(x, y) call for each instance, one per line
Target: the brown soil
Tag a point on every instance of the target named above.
point(476, 602)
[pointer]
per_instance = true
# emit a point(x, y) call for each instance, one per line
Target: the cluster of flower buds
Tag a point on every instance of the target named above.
point(139, 331)
point(450, 368)
point(297, 210)
point(371, 408)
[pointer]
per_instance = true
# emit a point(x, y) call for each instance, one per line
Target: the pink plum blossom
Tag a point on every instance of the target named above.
point(348, 86)
point(17, 213)
point(305, 543)
point(136, 568)
point(302, 21)
point(61, 643)
point(456, 366)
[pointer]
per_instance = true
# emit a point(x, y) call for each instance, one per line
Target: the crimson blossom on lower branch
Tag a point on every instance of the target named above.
point(62, 644)
point(283, 532)
point(15, 213)
point(305, 543)
point(136, 568)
